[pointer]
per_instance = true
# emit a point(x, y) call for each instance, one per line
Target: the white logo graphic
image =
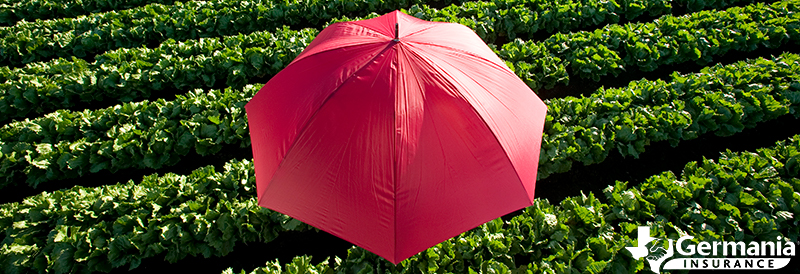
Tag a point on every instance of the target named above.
point(658, 253)
point(752, 255)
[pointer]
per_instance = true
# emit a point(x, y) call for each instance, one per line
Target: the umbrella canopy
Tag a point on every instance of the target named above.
point(395, 134)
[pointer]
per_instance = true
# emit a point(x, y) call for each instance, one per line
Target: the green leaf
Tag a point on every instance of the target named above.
point(747, 199)
point(214, 119)
point(291, 224)
point(625, 133)
point(41, 164)
point(596, 267)
point(208, 131)
point(62, 256)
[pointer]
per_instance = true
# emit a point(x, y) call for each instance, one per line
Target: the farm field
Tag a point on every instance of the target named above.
point(125, 148)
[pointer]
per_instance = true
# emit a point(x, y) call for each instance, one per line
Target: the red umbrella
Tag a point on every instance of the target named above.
point(396, 134)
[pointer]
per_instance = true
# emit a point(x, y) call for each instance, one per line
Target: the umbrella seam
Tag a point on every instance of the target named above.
point(419, 20)
point(394, 145)
point(376, 31)
point(343, 23)
point(336, 48)
point(310, 118)
point(503, 66)
point(421, 30)
point(451, 82)
point(397, 81)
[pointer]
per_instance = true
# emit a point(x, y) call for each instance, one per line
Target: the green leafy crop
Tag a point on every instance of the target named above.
point(587, 235)
point(206, 213)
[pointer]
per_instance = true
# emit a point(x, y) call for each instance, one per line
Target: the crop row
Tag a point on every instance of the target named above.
point(130, 74)
point(743, 197)
point(131, 135)
point(29, 42)
point(30, 10)
point(721, 99)
point(81, 230)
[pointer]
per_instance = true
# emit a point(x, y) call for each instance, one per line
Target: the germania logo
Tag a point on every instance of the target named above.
point(739, 255)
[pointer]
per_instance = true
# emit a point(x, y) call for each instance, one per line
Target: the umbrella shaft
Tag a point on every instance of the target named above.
point(396, 32)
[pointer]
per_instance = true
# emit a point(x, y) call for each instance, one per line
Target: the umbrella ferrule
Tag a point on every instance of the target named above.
point(396, 32)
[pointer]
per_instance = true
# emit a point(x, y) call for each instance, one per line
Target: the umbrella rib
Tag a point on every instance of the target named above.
point(310, 118)
point(395, 157)
point(330, 49)
point(421, 30)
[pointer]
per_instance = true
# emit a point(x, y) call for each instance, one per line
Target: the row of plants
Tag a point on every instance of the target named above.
point(30, 10)
point(129, 74)
point(632, 8)
point(26, 38)
point(119, 17)
point(132, 74)
point(720, 99)
point(82, 230)
point(131, 135)
point(151, 24)
point(92, 125)
point(741, 197)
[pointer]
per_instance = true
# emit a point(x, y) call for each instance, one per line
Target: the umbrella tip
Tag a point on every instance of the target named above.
point(396, 32)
